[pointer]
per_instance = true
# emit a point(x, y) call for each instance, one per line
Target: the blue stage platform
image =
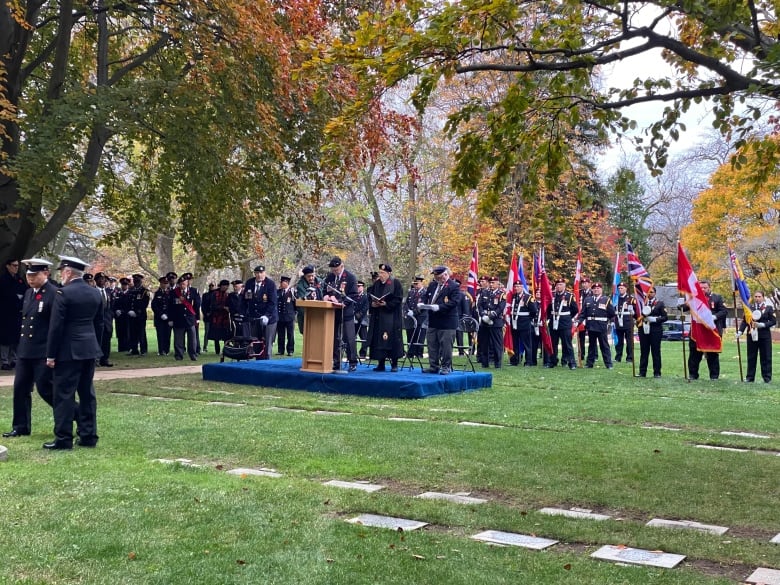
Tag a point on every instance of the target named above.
point(286, 373)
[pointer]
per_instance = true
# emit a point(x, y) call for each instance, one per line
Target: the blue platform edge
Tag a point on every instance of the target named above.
point(286, 373)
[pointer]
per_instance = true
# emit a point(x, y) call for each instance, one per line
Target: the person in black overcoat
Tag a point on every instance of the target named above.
point(12, 287)
point(101, 282)
point(385, 327)
point(72, 346)
point(759, 341)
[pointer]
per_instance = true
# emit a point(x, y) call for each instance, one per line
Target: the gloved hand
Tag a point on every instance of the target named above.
point(493, 314)
point(760, 325)
point(435, 308)
point(170, 323)
point(164, 317)
point(410, 313)
point(507, 319)
point(420, 306)
point(118, 313)
point(486, 320)
point(652, 319)
point(264, 320)
point(739, 334)
point(131, 313)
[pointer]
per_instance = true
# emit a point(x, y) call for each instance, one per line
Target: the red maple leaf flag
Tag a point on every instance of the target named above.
point(703, 330)
point(545, 301)
point(510, 282)
point(576, 288)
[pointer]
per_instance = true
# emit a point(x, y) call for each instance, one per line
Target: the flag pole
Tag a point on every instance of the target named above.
point(682, 321)
point(736, 326)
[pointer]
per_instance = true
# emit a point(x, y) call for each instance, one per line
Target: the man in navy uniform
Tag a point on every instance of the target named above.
point(139, 301)
point(285, 330)
point(185, 311)
point(442, 299)
point(31, 350)
point(121, 306)
point(598, 312)
point(719, 314)
point(626, 311)
point(361, 318)
point(560, 314)
point(260, 307)
point(521, 312)
point(415, 320)
point(101, 283)
point(650, 334)
point(759, 342)
point(341, 287)
point(72, 347)
point(162, 302)
point(491, 309)
point(12, 288)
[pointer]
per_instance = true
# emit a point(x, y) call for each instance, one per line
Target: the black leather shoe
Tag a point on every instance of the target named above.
point(86, 442)
point(15, 433)
point(379, 369)
point(352, 367)
point(394, 369)
point(106, 364)
point(58, 445)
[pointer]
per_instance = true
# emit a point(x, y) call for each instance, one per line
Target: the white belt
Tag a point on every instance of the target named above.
point(523, 314)
point(597, 319)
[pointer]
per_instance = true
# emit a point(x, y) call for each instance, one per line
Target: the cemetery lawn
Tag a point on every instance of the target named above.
point(559, 439)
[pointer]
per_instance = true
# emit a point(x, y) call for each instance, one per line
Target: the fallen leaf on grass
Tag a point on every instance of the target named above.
point(220, 467)
point(131, 556)
point(567, 566)
point(240, 562)
point(329, 560)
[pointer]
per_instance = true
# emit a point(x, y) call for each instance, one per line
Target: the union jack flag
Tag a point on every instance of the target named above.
point(640, 277)
point(471, 282)
point(738, 278)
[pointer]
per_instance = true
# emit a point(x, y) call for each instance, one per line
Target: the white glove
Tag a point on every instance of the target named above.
point(164, 317)
point(170, 323)
point(493, 314)
point(739, 334)
point(118, 313)
point(435, 308)
point(131, 313)
point(420, 306)
point(486, 319)
point(507, 319)
point(410, 313)
point(264, 320)
point(760, 325)
point(652, 319)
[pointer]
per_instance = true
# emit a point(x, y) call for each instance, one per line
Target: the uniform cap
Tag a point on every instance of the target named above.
point(186, 276)
point(361, 283)
point(560, 281)
point(170, 275)
point(124, 280)
point(386, 267)
point(101, 275)
point(137, 276)
point(224, 282)
point(439, 270)
point(585, 279)
point(284, 279)
point(493, 279)
point(112, 279)
point(163, 279)
point(483, 277)
point(623, 284)
point(36, 264)
point(237, 281)
point(419, 279)
point(308, 269)
point(518, 283)
point(259, 268)
point(335, 262)
point(72, 262)
point(596, 285)
point(88, 277)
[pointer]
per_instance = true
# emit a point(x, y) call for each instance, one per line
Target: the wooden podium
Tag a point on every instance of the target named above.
point(318, 331)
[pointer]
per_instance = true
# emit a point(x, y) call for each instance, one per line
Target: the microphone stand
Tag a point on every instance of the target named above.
point(343, 299)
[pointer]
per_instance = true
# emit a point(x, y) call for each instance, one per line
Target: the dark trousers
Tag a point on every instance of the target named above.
point(521, 343)
point(285, 337)
point(625, 338)
point(71, 378)
point(27, 373)
point(105, 345)
point(122, 329)
point(179, 334)
point(163, 337)
point(650, 344)
point(562, 334)
point(440, 348)
point(347, 329)
point(581, 337)
point(137, 327)
point(598, 340)
point(206, 325)
point(762, 347)
point(536, 344)
point(491, 339)
point(267, 334)
point(694, 359)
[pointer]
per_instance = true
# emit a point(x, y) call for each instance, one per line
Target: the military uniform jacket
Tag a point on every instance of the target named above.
point(162, 302)
point(259, 299)
point(626, 311)
point(302, 289)
point(139, 301)
point(361, 309)
point(286, 307)
point(12, 289)
point(719, 311)
point(410, 304)
point(564, 308)
point(76, 323)
point(36, 313)
point(492, 304)
point(521, 310)
point(186, 307)
point(346, 284)
point(448, 299)
point(598, 312)
point(122, 301)
point(764, 323)
point(657, 310)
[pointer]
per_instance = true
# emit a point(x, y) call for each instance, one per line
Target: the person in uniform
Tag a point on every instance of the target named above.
point(12, 289)
point(585, 292)
point(162, 316)
point(491, 309)
point(597, 313)
point(386, 324)
point(651, 333)
point(136, 316)
point(341, 287)
point(205, 310)
point(101, 283)
point(219, 315)
point(482, 298)
point(415, 320)
point(31, 351)
point(361, 318)
point(536, 338)
point(309, 287)
point(442, 299)
point(121, 305)
point(239, 327)
point(73, 345)
point(185, 311)
point(759, 341)
point(561, 312)
point(520, 313)
point(719, 313)
point(260, 308)
point(464, 339)
point(285, 331)
point(626, 311)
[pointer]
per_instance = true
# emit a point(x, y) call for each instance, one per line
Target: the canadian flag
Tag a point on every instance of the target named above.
point(703, 329)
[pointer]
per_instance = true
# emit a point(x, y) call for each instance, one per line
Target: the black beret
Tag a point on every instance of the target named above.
point(439, 270)
point(309, 269)
point(334, 262)
point(386, 267)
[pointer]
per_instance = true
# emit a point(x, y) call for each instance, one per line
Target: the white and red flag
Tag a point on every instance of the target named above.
point(703, 329)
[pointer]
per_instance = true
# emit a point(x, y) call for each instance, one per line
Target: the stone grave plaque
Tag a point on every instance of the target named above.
point(574, 513)
point(744, 434)
point(687, 524)
point(387, 522)
point(456, 498)
point(764, 576)
point(218, 403)
point(513, 539)
point(164, 398)
point(466, 423)
point(283, 409)
point(716, 448)
point(638, 556)
point(354, 485)
point(403, 419)
point(661, 428)
point(776, 539)
point(3, 453)
point(331, 412)
point(262, 472)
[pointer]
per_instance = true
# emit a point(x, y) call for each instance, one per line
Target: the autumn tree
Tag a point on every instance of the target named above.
point(162, 114)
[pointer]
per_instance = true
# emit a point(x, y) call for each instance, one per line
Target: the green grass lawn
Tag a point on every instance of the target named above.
point(114, 515)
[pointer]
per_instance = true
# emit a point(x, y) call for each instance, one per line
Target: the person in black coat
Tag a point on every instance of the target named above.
point(121, 304)
point(101, 280)
point(650, 334)
point(162, 303)
point(260, 307)
point(219, 328)
point(136, 312)
point(31, 352)
point(385, 327)
point(72, 346)
point(12, 288)
point(184, 315)
point(759, 342)
point(361, 318)
point(415, 320)
point(719, 313)
point(521, 313)
point(442, 301)
point(341, 287)
point(598, 312)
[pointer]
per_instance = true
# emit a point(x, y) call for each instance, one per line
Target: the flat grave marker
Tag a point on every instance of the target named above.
point(218, 403)
point(377, 521)
point(456, 498)
point(764, 576)
point(404, 419)
point(744, 434)
point(687, 524)
point(3, 453)
point(716, 448)
point(513, 539)
point(574, 513)
point(264, 472)
point(638, 556)
point(467, 423)
point(354, 485)
point(776, 539)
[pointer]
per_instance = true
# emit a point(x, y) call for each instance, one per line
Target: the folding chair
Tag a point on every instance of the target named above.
point(469, 326)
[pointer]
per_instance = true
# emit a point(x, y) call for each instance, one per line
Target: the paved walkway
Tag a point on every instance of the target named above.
point(125, 373)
